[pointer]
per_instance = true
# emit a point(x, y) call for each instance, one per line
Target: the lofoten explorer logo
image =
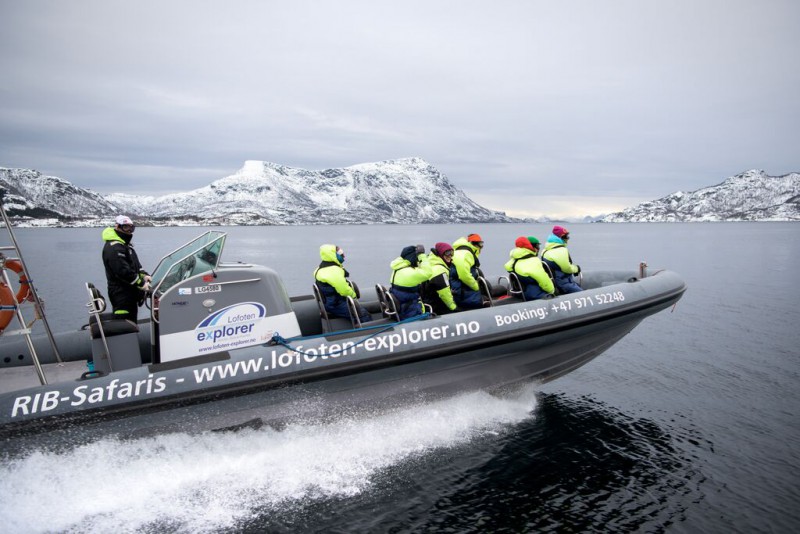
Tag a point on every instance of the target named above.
point(230, 326)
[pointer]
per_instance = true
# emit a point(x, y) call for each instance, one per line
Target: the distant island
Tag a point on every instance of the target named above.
point(749, 196)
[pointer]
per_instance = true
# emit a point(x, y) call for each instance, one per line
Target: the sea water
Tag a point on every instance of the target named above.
point(688, 424)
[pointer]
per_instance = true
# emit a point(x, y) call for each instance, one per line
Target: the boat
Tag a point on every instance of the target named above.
point(225, 347)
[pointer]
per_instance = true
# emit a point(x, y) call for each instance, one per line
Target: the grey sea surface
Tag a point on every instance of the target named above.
point(689, 424)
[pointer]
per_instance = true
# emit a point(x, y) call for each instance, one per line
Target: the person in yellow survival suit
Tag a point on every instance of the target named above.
point(466, 291)
point(437, 291)
point(557, 257)
point(409, 271)
point(331, 279)
point(127, 281)
point(524, 261)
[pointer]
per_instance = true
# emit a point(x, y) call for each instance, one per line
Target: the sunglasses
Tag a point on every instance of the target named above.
point(448, 254)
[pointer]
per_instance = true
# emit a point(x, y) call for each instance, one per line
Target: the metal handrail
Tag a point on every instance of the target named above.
point(36, 300)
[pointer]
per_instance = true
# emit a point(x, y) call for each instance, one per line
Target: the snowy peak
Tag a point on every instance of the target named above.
point(750, 196)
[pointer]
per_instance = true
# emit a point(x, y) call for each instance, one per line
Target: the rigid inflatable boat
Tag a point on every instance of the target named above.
point(226, 347)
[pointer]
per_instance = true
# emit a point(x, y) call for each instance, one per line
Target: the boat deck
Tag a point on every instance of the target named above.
point(15, 378)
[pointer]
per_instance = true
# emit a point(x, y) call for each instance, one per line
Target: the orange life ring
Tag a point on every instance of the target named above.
point(6, 300)
point(24, 287)
point(7, 295)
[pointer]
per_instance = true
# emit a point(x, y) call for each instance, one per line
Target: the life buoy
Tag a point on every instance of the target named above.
point(6, 300)
point(24, 287)
point(7, 295)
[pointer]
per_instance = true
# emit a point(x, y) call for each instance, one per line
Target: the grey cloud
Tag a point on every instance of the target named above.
point(621, 98)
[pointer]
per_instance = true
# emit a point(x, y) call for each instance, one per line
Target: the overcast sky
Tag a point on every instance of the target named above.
point(531, 107)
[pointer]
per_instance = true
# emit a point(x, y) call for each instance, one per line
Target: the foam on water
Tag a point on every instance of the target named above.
point(216, 480)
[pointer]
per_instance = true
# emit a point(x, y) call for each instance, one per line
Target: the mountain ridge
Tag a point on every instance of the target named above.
point(748, 196)
point(399, 191)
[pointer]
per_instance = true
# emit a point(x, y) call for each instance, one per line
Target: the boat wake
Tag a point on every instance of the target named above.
point(216, 481)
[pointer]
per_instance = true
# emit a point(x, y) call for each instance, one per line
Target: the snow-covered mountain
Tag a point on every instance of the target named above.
point(398, 191)
point(29, 193)
point(750, 196)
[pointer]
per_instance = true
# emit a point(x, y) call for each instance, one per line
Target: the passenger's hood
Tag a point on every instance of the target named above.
point(328, 253)
point(520, 252)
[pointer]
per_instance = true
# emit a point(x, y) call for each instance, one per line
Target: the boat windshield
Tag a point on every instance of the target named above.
point(202, 254)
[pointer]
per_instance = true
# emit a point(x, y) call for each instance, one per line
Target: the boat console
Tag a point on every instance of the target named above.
point(201, 306)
